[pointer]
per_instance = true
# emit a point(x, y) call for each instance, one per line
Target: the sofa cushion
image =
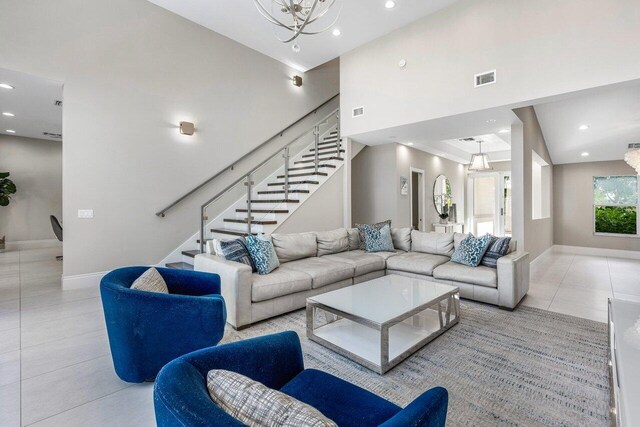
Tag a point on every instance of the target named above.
point(432, 243)
point(385, 255)
point(329, 394)
point(457, 238)
point(262, 254)
point(498, 247)
point(354, 239)
point(291, 247)
point(255, 404)
point(481, 275)
point(401, 238)
point(471, 250)
point(360, 228)
point(279, 283)
point(378, 240)
point(332, 242)
point(323, 271)
point(236, 250)
point(362, 262)
point(150, 281)
point(416, 262)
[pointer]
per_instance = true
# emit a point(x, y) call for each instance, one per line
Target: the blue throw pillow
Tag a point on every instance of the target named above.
point(498, 247)
point(378, 240)
point(263, 254)
point(236, 250)
point(471, 250)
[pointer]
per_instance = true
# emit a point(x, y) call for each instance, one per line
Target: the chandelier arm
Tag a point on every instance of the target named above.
point(311, 33)
point(324, 12)
point(299, 30)
point(268, 16)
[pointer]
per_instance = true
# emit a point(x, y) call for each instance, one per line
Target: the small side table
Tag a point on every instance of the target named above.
point(450, 227)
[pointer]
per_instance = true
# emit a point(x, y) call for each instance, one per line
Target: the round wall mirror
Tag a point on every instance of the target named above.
point(442, 194)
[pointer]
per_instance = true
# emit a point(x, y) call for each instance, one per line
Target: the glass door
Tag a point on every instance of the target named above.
point(490, 201)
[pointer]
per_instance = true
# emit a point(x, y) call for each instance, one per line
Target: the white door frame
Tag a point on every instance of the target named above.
point(421, 209)
point(498, 219)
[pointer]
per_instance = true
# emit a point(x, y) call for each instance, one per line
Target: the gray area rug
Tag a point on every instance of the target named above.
point(528, 367)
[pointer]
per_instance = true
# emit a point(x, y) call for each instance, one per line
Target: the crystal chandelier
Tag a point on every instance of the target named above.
point(632, 157)
point(297, 17)
point(479, 162)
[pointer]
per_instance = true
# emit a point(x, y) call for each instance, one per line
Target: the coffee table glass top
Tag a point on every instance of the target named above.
point(384, 299)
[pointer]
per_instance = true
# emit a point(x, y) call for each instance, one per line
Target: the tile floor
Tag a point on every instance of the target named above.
point(55, 367)
point(580, 285)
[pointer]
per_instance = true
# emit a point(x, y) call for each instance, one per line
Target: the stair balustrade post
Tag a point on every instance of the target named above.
point(203, 224)
point(249, 215)
point(338, 142)
point(316, 134)
point(286, 173)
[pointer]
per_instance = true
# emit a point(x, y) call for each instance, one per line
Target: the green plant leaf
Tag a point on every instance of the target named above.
point(4, 174)
point(4, 200)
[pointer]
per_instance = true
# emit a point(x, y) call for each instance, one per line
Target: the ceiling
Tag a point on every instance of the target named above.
point(442, 136)
point(33, 102)
point(613, 117)
point(360, 22)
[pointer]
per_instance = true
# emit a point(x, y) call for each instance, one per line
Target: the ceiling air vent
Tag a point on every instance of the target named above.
point(484, 79)
point(357, 112)
point(52, 135)
point(57, 103)
point(633, 146)
point(467, 139)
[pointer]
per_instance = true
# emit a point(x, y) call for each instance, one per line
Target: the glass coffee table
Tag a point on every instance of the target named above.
point(381, 322)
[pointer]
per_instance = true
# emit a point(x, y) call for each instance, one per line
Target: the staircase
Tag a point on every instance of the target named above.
point(264, 198)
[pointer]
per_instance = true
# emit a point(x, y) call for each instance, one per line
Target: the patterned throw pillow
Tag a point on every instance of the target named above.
point(236, 250)
point(498, 247)
point(255, 404)
point(471, 250)
point(378, 240)
point(360, 228)
point(262, 254)
point(150, 281)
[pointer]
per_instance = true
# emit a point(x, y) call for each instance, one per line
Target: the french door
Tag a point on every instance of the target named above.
point(489, 199)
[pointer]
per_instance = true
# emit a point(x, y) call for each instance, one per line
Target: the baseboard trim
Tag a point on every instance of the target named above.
point(539, 257)
point(580, 250)
point(82, 281)
point(33, 244)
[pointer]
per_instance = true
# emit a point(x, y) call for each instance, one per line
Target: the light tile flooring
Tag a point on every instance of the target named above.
point(580, 285)
point(55, 367)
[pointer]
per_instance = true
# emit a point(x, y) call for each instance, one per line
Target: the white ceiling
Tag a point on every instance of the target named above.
point(613, 117)
point(33, 102)
point(441, 136)
point(360, 22)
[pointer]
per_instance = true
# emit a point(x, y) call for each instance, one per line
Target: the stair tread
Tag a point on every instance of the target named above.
point(275, 211)
point(311, 167)
point(282, 191)
point(304, 174)
point(293, 183)
point(275, 201)
point(244, 221)
point(320, 152)
point(192, 253)
point(230, 232)
point(322, 160)
point(179, 265)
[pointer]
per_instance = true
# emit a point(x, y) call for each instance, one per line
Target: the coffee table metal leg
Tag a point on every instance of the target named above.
point(311, 321)
point(440, 313)
point(384, 349)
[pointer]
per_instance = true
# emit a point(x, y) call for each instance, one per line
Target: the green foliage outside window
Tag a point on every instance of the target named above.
point(616, 219)
point(615, 200)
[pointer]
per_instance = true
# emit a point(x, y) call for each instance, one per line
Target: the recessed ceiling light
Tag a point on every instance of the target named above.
point(410, 143)
point(6, 86)
point(336, 32)
point(390, 4)
point(584, 127)
point(8, 114)
point(491, 121)
point(11, 131)
point(585, 154)
point(504, 131)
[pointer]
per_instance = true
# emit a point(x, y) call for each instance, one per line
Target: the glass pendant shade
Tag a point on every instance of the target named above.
point(480, 161)
point(632, 157)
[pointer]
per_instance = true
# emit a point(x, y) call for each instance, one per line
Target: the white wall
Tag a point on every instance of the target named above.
point(540, 48)
point(36, 169)
point(132, 71)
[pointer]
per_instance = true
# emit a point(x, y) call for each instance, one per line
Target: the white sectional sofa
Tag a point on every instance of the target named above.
point(315, 263)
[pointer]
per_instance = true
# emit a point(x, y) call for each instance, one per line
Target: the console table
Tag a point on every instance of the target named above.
point(624, 369)
point(449, 227)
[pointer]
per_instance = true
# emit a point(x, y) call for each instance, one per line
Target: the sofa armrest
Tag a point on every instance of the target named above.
point(513, 278)
point(235, 283)
point(427, 410)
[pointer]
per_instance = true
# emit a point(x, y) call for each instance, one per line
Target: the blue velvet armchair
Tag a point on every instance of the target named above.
point(148, 329)
point(181, 397)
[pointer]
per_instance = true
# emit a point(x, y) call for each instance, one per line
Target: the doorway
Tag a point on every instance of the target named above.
point(489, 197)
point(417, 199)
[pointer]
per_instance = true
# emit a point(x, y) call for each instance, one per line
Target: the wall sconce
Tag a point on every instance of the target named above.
point(187, 128)
point(297, 81)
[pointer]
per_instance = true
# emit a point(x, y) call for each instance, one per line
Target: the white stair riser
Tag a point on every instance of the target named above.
point(262, 216)
point(236, 226)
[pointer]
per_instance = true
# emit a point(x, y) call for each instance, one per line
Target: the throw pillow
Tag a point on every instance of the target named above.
point(236, 250)
point(498, 247)
point(360, 228)
point(262, 254)
point(378, 240)
point(471, 250)
point(150, 281)
point(255, 404)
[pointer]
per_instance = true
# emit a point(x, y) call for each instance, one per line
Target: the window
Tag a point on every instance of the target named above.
point(540, 187)
point(615, 203)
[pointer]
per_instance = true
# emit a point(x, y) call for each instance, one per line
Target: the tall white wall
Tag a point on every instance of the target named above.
point(132, 71)
point(36, 169)
point(540, 48)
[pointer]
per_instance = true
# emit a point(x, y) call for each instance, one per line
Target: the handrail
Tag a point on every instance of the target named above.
point(162, 212)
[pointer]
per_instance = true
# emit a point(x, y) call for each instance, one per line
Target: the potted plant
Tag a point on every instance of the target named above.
point(444, 218)
point(7, 188)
